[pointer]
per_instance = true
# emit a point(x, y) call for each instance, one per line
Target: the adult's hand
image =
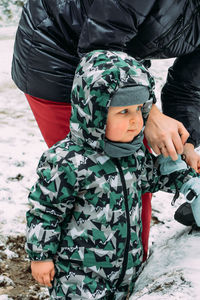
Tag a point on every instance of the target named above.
point(192, 158)
point(165, 135)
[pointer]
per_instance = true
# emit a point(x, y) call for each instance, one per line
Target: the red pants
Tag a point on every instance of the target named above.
point(53, 121)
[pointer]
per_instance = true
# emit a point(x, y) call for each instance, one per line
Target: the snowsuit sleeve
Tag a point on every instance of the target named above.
point(164, 174)
point(51, 199)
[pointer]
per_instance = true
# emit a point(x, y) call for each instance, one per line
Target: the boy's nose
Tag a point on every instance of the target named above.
point(133, 123)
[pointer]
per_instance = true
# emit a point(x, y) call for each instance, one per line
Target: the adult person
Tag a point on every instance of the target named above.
point(53, 35)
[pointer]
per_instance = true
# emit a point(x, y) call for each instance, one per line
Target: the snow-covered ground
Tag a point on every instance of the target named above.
point(173, 268)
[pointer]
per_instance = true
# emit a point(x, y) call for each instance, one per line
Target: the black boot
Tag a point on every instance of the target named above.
point(184, 215)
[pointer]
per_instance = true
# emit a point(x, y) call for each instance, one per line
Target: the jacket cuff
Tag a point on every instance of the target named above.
point(38, 256)
point(43, 260)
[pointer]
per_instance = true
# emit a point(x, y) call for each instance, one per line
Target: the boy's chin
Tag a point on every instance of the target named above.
point(126, 140)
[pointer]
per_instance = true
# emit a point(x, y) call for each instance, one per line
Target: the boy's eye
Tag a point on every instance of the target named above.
point(124, 111)
point(139, 108)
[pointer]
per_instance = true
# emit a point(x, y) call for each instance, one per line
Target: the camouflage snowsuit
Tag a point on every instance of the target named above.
point(86, 207)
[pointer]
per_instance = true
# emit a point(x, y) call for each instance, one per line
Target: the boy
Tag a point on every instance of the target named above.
point(84, 227)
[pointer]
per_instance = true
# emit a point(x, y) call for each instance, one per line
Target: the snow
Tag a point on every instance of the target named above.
point(20, 144)
point(173, 268)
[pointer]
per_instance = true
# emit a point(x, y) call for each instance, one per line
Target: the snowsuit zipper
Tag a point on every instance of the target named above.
point(125, 262)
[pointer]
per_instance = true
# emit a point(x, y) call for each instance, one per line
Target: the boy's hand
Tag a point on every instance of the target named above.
point(43, 272)
point(192, 158)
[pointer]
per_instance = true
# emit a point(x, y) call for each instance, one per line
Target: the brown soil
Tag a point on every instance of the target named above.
point(21, 285)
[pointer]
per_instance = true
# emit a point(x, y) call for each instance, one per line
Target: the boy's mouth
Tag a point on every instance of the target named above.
point(131, 130)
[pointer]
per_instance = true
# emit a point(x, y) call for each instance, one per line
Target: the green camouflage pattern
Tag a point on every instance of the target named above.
point(80, 204)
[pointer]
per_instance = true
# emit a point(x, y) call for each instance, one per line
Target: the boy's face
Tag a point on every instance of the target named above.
point(124, 123)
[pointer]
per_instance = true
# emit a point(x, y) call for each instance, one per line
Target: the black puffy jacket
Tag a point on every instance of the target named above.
point(53, 34)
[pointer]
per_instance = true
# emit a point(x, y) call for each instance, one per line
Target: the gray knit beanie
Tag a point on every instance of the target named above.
point(130, 95)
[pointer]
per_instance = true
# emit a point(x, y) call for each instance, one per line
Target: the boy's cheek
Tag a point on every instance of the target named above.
point(114, 133)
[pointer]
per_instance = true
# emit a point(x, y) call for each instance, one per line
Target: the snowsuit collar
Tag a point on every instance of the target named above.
point(114, 149)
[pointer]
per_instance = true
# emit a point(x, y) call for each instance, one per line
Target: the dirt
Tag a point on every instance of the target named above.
point(15, 273)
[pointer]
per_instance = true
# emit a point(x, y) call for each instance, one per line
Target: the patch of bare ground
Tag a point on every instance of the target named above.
point(15, 273)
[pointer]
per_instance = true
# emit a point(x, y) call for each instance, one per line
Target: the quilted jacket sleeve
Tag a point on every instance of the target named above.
point(51, 204)
point(110, 24)
point(181, 94)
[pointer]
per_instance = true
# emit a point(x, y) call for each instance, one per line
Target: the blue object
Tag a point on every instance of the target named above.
point(191, 191)
point(168, 166)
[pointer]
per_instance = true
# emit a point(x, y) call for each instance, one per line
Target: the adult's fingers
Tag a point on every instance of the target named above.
point(171, 146)
point(169, 149)
point(178, 139)
point(156, 149)
point(177, 143)
point(164, 151)
point(183, 133)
